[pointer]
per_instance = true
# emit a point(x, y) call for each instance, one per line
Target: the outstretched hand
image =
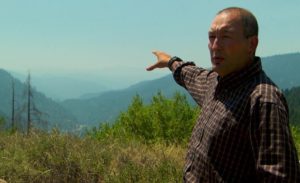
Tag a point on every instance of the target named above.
point(162, 60)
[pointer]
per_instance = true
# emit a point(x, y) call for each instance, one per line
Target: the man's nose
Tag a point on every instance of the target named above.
point(216, 44)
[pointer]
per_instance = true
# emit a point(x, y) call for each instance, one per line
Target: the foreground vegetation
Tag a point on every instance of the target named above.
point(147, 143)
point(56, 157)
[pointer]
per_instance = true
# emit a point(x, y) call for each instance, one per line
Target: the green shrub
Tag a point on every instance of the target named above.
point(163, 120)
point(296, 136)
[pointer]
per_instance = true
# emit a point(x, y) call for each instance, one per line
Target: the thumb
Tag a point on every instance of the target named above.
point(155, 53)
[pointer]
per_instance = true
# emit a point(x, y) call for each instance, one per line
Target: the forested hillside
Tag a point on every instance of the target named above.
point(45, 113)
point(293, 99)
point(283, 69)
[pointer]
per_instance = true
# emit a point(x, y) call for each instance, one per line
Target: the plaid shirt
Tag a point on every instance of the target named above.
point(242, 134)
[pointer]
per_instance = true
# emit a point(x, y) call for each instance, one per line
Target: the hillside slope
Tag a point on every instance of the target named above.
point(52, 113)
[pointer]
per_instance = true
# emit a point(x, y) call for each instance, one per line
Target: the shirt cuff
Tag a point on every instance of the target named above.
point(178, 65)
point(175, 65)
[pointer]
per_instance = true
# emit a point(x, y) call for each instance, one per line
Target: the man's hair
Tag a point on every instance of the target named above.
point(248, 20)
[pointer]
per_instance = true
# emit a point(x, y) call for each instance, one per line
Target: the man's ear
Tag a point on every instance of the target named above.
point(253, 42)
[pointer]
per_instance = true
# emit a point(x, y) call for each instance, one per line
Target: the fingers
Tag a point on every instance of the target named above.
point(162, 60)
point(154, 66)
point(151, 67)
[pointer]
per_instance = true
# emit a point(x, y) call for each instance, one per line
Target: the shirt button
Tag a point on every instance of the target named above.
point(193, 156)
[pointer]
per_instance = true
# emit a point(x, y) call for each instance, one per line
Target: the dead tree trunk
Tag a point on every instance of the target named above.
point(29, 95)
point(13, 105)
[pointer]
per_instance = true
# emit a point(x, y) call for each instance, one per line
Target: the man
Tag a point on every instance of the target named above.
point(242, 134)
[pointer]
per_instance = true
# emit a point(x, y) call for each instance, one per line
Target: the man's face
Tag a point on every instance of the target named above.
point(229, 48)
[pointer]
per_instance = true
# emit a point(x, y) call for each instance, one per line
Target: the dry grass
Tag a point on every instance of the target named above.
point(60, 158)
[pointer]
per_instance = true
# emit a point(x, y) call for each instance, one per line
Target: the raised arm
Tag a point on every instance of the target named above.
point(186, 74)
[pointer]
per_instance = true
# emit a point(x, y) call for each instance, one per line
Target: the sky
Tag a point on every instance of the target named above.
point(112, 40)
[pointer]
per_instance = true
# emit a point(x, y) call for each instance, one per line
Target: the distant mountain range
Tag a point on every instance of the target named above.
point(293, 98)
point(92, 109)
point(108, 105)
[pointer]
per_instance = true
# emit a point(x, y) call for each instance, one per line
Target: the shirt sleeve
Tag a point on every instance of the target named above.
point(192, 78)
point(273, 146)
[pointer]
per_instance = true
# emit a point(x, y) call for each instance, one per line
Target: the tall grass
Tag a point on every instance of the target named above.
point(57, 157)
point(60, 158)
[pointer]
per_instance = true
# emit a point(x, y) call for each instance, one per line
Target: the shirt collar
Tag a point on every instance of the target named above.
point(235, 79)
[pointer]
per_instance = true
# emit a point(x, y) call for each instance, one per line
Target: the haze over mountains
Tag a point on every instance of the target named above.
point(94, 108)
point(64, 87)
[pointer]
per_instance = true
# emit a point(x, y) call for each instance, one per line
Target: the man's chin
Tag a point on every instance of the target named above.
point(217, 69)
